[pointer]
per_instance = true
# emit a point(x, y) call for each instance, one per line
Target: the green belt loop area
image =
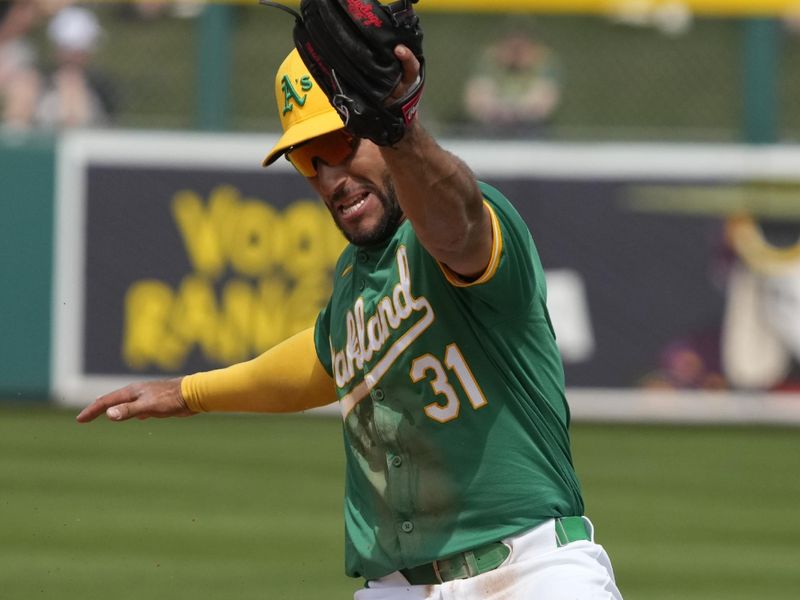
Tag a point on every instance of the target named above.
point(570, 529)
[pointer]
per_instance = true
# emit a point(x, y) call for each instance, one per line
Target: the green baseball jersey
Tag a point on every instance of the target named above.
point(452, 396)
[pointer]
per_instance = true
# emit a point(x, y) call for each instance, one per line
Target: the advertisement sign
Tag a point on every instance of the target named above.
point(670, 269)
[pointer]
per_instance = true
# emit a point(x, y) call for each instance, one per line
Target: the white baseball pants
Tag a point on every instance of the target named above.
point(536, 569)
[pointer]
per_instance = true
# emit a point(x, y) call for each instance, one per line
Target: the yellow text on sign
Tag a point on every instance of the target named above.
point(259, 275)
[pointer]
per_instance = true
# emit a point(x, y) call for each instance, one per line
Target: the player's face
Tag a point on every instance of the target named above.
point(356, 188)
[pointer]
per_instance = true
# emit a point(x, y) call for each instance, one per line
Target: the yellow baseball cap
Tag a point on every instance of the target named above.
point(303, 107)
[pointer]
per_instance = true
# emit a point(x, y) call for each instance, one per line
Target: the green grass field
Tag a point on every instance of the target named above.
point(239, 508)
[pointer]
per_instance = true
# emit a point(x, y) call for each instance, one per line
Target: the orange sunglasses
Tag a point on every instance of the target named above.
point(332, 148)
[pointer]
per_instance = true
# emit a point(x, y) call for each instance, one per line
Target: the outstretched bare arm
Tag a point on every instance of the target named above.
point(286, 378)
point(142, 400)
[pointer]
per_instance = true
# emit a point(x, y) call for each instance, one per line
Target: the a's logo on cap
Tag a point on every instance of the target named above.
point(290, 93)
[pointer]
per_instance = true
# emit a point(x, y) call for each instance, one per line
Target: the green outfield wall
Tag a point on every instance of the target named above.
point(26, 248)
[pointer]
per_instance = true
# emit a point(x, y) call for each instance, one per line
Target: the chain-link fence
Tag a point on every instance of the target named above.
point(622, 78)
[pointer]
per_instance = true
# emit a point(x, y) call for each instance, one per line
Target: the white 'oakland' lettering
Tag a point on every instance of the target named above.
point(367, 336)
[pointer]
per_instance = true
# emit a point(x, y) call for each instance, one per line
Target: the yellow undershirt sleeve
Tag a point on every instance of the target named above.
point(286, 378)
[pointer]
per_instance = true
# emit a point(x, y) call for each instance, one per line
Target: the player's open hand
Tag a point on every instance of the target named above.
point(157, 399)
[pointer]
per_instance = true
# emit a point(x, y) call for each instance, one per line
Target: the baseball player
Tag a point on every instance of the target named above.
point(436, 344)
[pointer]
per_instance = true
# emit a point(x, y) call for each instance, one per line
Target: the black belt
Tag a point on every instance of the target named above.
point(487, 557)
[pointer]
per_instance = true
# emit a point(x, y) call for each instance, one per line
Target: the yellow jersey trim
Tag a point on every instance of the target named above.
point(494, 260)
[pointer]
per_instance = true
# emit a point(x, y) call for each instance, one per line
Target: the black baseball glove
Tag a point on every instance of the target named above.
point(348, 47)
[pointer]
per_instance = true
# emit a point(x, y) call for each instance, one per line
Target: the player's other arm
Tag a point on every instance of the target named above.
point(286, 378)
point(438, 193)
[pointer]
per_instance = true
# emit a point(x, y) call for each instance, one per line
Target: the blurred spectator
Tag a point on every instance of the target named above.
point(670, 17)
point(756, 346)
point(791, 19)
point(516, 87)
point(19, 83)
point(75, 94)
point(761, 328)
point(689, 363)
point(154, 9)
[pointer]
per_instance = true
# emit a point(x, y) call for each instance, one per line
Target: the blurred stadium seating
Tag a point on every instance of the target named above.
point(625, 78)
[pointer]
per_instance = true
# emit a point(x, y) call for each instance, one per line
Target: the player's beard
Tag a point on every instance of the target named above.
point(390, 220)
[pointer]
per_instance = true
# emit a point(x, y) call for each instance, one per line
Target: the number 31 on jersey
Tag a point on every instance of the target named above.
point(428, 366)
